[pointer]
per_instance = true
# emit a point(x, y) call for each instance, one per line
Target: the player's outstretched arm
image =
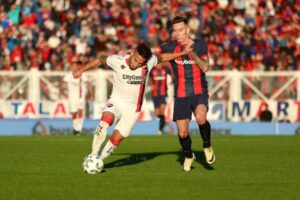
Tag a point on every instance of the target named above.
point(155, 50)
point(164, 57)
point(201, 62)
point(90, 65)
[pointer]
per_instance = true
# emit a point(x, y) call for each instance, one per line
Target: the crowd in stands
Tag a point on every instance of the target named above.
point(241, 34)
point(247, 35)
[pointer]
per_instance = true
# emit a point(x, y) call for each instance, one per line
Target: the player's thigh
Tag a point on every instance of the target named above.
point(200, 108)
point(73, 105)
point(112, 108)
point(182, 109)
point(126, 122)
point(81, 103)
point(162, 108)
point(200, 114)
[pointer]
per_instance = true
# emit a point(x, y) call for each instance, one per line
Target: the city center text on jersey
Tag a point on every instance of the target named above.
point(134, 79)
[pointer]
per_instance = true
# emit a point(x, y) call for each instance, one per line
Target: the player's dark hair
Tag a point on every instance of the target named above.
point(144, 51)
point(179, 19)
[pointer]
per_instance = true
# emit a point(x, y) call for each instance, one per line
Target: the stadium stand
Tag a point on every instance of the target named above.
point(244, 35)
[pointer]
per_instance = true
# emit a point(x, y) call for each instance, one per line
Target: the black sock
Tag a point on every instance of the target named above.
point(162, 122)
point(186, 144)
point(205, 134)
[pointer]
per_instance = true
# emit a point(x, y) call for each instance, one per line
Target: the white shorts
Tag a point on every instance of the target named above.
point(125, 116)
point(76, 104)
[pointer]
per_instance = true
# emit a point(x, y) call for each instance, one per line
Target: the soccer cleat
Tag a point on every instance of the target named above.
point(188, 163)
point(76, 133)
point(209, 155)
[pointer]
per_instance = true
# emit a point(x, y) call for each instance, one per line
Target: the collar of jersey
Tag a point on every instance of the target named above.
point(182, 44)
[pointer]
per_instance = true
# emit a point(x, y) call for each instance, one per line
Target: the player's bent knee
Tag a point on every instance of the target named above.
point(108, 118)
point(201, 119)
point(183, 134)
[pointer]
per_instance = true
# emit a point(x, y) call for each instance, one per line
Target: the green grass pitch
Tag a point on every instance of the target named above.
point(149, 167)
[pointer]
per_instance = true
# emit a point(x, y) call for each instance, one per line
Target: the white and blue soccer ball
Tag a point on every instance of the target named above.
point(92, 164)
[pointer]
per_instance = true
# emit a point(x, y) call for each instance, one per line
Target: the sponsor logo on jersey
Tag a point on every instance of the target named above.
point(122, 66)
point(133, 79)
point(184, 62)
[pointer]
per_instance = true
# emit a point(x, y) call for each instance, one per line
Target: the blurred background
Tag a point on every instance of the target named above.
point(243, 35)
point(253, 47)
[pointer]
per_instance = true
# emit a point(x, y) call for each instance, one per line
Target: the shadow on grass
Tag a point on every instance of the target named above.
point(135, 158)
point(200, 158)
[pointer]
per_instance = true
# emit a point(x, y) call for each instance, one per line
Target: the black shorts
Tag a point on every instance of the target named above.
point(183, 107)
point(158, 100)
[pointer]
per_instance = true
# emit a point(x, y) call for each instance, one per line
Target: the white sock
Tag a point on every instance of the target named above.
point(74, 122)
point(107, 150)
point(99, 137)
point(80, 124)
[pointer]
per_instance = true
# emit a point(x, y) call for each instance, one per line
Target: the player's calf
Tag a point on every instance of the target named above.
point(111, 145)
point(99, 137)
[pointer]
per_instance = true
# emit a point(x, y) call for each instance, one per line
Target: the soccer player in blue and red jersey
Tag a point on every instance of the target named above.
point(190, 88)
point(158, 82)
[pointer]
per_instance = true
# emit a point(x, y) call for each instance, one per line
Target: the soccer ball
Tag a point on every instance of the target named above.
point(92, 164)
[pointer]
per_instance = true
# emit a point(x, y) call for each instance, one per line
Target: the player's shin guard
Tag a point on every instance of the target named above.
point(186, 144)
point(205, 132)
point(162, 122)
point(109, 148)
point(99, 136)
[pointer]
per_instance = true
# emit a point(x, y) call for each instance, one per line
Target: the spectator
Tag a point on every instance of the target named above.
point(245, 35)
point(14, 12)
point(266, 115)
point(158, 77)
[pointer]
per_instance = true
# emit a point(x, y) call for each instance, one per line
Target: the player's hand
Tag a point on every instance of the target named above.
point(77, 74)
point(188, 48)
point(190, 42)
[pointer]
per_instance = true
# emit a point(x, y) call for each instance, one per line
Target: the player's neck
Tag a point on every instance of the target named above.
point(186, 41)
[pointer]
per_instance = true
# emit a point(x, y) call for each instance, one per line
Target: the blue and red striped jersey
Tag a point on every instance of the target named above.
point(158, 79)
point(188, 78)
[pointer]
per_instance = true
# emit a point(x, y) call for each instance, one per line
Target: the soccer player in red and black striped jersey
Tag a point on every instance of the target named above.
point(158, 82)
point(124, 105)
point(190, 87)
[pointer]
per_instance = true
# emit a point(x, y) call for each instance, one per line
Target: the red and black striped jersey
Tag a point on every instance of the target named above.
point(188, 78)
point(158, 79)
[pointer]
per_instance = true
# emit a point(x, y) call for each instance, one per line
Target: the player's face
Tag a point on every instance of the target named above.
point(181, 32)
point(136, 61)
